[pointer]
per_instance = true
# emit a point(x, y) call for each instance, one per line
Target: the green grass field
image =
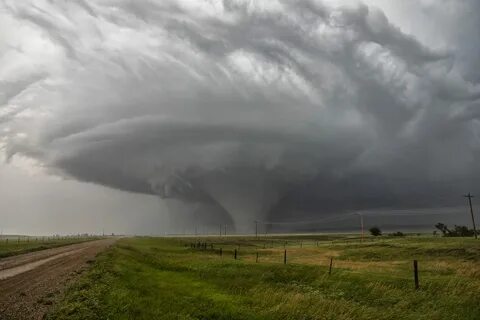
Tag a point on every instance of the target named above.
point(161, 278)
point(10, 246)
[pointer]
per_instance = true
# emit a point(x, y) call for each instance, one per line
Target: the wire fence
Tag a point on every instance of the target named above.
point(259, 253)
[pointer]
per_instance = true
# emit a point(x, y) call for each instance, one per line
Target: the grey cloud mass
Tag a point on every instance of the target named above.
point(233, 111)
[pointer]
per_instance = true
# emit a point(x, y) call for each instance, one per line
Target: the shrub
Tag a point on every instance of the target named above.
point(458, 231)
point(375, 231)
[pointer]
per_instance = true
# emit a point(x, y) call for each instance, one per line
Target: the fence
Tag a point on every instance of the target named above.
point(204, 245)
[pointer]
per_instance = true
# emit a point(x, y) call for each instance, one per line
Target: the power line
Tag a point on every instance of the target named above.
point(327, 219)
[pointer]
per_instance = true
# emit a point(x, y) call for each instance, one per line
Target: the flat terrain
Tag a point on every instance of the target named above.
point(161, 278)
point(30, 282)
point(10, 246)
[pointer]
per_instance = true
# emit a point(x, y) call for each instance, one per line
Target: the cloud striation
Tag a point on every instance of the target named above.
point(233, 111)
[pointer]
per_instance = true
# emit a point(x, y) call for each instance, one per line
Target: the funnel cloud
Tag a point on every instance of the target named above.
point(236, 111)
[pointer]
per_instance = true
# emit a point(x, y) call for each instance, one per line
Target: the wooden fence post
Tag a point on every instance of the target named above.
point(256, 259)
point(235, 254)
point(415, 274)
point(285, 257)
point(330, 268)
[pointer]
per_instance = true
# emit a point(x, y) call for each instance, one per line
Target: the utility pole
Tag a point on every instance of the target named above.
point(363, 229)
point(225, 230)
point(469, 196)
point(220, 230)
point(256, 229)
point(361, 224)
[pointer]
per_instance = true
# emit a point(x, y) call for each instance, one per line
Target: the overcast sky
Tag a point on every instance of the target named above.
point(159, 116)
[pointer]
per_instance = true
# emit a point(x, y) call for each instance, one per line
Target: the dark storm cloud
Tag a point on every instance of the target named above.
point(257, 109)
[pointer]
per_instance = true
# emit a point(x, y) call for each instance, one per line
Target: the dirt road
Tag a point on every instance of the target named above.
point(30, 282)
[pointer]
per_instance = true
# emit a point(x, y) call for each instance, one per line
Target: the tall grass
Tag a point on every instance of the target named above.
point(153, 278)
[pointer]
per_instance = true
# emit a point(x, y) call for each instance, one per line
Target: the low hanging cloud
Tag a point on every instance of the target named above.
point(250, 110)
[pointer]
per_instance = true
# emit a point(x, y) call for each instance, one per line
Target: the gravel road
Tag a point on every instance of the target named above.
point(29, 283)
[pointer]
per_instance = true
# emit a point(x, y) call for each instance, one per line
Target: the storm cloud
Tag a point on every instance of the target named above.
point(233, 111)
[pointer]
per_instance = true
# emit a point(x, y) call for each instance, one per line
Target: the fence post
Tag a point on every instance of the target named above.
point(285, 257)
point(301, 244)
point(256, 259)
point(235, 254)
point(330, 268)
point(415, 274)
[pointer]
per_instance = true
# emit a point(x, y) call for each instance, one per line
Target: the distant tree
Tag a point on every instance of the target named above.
point(463, 231)
point(398, 234)
point(375, 231)
point(434, 233)
point(458, 231)
point(443, 228)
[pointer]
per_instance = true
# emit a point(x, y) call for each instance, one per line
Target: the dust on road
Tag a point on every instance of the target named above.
point(30, 282)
